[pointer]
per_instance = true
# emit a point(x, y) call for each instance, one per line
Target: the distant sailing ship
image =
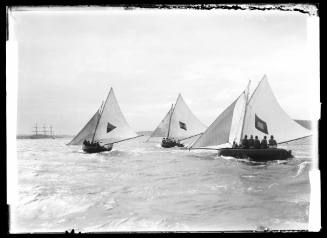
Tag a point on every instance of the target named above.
point(261, 116)
point(42, 134)
point(106, 127)
point(179, 125)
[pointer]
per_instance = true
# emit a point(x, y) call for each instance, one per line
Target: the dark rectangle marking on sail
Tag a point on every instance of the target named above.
point(182, 125)
point(261, 125)
point(110, 127)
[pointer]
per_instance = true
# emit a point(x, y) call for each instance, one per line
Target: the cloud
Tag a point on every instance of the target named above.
point(68, 62)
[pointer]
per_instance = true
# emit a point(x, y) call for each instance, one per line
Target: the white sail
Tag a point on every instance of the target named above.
point(235, 133)
point(87, 132)
point(112, 125)
point(162, 128)
point(183, 122)
point(265, 117)
point(226, 128)
point(179, 122)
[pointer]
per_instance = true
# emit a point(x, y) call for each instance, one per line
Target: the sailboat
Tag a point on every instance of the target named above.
point(178, 125)
point(261, 115)
point(105, 128)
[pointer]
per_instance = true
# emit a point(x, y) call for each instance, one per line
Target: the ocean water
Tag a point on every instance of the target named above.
point(142, 187)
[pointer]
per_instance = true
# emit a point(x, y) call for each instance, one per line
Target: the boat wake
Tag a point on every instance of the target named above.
point(301, 167)
point(114, 153)
point(244, 160)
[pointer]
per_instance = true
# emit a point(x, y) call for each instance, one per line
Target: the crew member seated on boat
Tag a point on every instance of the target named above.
point(234, 145)
point(256, 143)
point(272, 142)
point(251, 142)
point(264, 143)
point(245, 142)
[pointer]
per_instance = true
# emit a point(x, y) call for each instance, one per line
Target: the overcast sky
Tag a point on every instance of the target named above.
point(68, 60)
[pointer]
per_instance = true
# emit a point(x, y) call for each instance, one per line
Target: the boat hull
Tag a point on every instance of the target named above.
point(257, 154)
point(96, 148)
point(170, 144)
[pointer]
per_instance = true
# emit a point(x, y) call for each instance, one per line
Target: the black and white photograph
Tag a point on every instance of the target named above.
point(174, 118)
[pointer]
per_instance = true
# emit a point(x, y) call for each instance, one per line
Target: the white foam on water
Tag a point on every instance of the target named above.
point(301, 168)
point(140, 186)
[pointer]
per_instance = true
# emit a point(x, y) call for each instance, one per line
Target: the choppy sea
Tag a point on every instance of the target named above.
point(140, 186)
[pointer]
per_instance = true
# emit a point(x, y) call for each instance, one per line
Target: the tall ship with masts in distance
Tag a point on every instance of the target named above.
point(43, 134)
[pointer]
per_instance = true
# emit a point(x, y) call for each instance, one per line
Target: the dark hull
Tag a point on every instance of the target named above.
point(95, 148)
point(170, 144)
point(257, 154)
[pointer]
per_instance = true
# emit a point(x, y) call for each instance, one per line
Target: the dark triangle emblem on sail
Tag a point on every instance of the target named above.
point(261, 125)
point(110, 127)
point(182, 125)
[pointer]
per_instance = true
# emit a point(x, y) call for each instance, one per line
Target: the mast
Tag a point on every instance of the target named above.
point(246, 105)
point(35, 128)
point(171, 114)
point(44, 130)
point(100, 115)
point(51, 134)
point(172, 111)
point(124, 139)
point(101, 107)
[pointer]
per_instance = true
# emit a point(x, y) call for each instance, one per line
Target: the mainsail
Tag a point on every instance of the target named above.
point(112, 125)
point(259, 116)
point(87, 132)
point(265, 117)
point(179, 122)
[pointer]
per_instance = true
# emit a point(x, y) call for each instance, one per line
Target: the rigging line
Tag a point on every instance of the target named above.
point(191, 136)
point(200, 148)
point(294, 139)
point(123, 140)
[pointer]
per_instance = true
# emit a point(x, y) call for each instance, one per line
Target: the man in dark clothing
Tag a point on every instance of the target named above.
point(234, 145)
point(251, 142)
point(256, 143)
point(264, 143)
point(245, 142)
point(272, 142)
